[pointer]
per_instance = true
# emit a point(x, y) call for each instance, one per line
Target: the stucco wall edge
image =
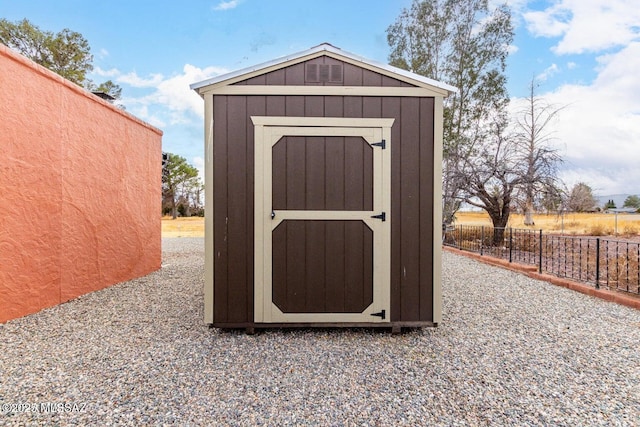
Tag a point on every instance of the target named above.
point(21, 59)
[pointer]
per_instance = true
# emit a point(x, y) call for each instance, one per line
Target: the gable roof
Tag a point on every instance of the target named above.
point(325, 49)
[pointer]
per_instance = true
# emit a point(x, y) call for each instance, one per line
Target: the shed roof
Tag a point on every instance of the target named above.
point(331, 51)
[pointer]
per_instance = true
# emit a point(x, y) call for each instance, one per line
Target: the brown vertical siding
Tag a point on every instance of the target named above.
point(322, 266)
point(352, 76)
point(426, 119)
point(409, 214)
point(322, 173)
point(411, 203)
point(220, 215)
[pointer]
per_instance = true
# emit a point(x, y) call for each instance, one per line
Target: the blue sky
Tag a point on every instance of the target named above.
point(585, 55)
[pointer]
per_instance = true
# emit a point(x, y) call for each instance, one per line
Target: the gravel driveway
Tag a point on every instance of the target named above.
point(510, 351)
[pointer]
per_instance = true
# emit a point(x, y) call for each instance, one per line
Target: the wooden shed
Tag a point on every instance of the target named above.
point(323, 194)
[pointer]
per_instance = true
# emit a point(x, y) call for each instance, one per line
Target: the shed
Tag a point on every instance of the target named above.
point(323, 194)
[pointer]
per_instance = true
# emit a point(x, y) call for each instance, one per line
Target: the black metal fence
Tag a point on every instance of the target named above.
point(613, 264)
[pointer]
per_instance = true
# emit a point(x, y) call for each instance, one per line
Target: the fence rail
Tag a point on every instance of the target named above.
point(613, 264)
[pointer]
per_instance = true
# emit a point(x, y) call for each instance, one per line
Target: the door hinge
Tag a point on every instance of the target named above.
point(382, 216)
point(382, 144)
point(381, 314)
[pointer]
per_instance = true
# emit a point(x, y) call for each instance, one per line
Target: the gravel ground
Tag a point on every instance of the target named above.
point(510, 351)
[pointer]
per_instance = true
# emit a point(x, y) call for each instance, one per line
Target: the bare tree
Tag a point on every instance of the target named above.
point(581, 198)
point(490, 174)
point(534, 138)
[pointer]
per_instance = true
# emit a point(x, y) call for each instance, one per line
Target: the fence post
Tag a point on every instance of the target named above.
point(481, 238)
point(510, 244)
point(597, 263)
point(540, 254)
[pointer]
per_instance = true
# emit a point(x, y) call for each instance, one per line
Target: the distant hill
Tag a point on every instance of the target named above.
point(618, 199)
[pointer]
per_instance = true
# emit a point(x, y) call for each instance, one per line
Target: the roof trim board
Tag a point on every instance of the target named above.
point(325, 49)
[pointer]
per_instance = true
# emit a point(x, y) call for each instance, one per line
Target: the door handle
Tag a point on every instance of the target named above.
point(273, 214)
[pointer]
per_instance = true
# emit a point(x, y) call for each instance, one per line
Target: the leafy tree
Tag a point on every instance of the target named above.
point(610, 204)
point(535, 151)
point(66, 53)
point(581, 198)
point(108, 87)
point(177, 176)
point(463, 43)
point(632, 202)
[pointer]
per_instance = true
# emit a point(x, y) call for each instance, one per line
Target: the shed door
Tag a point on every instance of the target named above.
point(322, 219)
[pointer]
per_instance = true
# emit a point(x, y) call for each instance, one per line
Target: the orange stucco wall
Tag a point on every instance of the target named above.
point(79, 190)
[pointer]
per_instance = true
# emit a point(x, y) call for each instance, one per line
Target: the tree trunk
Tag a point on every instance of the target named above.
point(174, 213)
point(500, 219)
point(528, 212)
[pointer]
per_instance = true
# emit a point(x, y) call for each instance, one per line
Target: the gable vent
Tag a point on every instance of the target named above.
point(323, 73)
point(311, 73)
point(336, 73)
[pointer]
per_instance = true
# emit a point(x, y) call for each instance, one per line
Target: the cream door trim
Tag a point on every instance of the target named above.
point(344, 122)
point(267, 132)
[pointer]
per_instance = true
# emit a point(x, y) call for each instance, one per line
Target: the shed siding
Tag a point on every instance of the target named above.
point(411, 180)
point(294, 75)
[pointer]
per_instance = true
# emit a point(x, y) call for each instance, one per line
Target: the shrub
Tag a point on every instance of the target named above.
point(629, 230)
point(599, 230)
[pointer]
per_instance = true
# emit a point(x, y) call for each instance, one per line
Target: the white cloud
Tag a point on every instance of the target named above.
point(132, 79)
point(547, 23)
point(512, 48)
point(103, 53)
point(226, 5)
point(586, 25)
point(165, 100)
point(170, 100)
point(106, 73)
point(599, 130)
point(548, 72)
point(571, 65)
point(142, 112)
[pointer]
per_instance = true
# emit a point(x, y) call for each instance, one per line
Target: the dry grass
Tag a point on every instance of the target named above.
point(594, 224)
point(571, 223)
point(182, 227)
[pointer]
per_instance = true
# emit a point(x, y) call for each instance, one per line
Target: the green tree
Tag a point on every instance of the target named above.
point(66, 53)
point(177, 176)
point(465, 44)
point(632, 202)
point(108, 87)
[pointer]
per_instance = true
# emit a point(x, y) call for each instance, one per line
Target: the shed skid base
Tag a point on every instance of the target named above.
point(395, 327)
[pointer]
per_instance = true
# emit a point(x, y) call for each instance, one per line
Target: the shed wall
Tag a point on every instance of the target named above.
point(412, 193)
point(352, 76)
point(80, 192)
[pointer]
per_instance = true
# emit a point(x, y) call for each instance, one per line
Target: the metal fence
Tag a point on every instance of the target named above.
point(613, 264)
